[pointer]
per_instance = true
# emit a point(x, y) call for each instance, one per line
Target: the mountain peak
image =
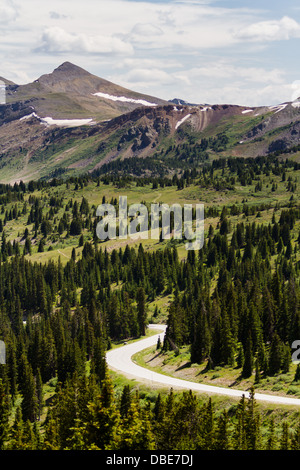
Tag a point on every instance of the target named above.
point(65, 71)
point(66, 64)
point(69, 67)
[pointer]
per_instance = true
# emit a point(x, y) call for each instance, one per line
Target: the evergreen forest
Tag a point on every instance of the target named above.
point(66, 298)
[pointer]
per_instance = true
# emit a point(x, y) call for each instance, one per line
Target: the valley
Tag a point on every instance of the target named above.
point(70, 142)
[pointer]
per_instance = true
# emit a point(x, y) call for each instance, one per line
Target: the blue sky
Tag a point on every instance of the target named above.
point(225, 51)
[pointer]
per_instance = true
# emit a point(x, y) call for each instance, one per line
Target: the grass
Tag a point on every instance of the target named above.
point(179, 366)
point(267, 411)
point(149, 332)
point(62, 248)
point(192, 194)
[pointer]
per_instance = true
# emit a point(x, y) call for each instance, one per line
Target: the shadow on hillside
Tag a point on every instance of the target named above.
point(184, 366)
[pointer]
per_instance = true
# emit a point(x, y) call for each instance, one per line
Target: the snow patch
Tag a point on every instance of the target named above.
point(48, 121)
point(206, 108)
point(296, 104)
point(123, 99)
point(24, 118)
point(182, 121)
point(65, 122)
point(278, 108)
point(247, 111)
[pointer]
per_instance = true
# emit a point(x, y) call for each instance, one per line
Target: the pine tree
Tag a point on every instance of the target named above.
point(295, 442)
point(141, 310)
point(158, 409)
point(29, 402)
point(29, 437)
point(252, 424)
point(98, 359)
point(11, 364)
point(297, 374)
point(27, 246)
point(285, 437)
point(17, 431)
point(271, 442)
point(134, 431)
point(103, 419)
point(227, 345)
point(39, 393)
point(248, 361)
point(200, 348)
point(51, 439)
point(257, 371)
point(4, 415)
point(222, 432)
point(275, 359)
point(207, 432)
point(239, 434)
point(125, 401)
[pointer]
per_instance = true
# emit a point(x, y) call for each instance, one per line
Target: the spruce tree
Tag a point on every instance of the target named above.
point(271, 441)
point(275, 359)
point(248, 361)
point(4, 415)
point(141, 310)
point(285, 437)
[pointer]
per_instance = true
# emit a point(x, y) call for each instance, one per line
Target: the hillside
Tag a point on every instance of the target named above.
point(71, 122)
point(231, 309)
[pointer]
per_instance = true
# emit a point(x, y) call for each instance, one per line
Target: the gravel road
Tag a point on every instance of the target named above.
point(120, 360)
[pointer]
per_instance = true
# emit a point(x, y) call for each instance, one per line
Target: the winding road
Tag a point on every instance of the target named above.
point(120, 360)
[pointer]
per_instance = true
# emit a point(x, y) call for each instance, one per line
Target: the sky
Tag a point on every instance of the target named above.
point(203, 51)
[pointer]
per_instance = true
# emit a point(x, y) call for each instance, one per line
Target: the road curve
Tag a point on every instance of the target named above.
point(120, 360)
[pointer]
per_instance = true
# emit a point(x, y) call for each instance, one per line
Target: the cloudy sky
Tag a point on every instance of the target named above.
point(204, 51)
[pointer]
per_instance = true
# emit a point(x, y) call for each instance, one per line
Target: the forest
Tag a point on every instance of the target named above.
point(235, 302)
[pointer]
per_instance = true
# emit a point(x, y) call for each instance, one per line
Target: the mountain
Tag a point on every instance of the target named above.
point(6, 82)
point(70, 122)
point(181, 102)
point(70, 92)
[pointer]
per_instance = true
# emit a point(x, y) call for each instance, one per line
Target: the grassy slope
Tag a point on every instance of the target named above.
point(135, 194)
point(77, 154)
point(178, 365)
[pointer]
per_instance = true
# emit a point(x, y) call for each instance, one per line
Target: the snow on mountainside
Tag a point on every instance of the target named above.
point(70, 92)
point(124, 99)
point(48, 121)
point(71, 121)
point(182, 121)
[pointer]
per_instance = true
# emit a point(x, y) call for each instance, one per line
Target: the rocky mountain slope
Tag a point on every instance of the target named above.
point(70, 121)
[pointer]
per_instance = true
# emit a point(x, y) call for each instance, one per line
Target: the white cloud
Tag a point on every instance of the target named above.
point(227, 71)
point(56, 40)
point(190, 49)
point(146, 29)
point(57, 16)
point(148, 63)
point(144, 78)
point(295, 90)
point(231, 82)
point(273, 30)
point(8, 11)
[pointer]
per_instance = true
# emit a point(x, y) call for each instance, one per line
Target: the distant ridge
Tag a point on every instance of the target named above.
point(70, 122)
point(181, 102)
